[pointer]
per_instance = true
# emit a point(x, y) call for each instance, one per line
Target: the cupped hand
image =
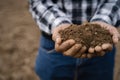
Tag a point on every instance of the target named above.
point(68, 47)
point(106, 46)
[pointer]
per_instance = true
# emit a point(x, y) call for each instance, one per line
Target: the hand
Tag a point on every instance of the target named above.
point(106, 46)
point(69, 47)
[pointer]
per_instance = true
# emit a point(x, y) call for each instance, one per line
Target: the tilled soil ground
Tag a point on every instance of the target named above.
point(19, 41)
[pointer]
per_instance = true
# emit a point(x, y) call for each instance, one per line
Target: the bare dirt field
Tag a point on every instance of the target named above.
point(19, 41)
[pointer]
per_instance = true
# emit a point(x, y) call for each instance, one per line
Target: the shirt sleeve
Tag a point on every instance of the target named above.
point(47, 14)
point(108, 11)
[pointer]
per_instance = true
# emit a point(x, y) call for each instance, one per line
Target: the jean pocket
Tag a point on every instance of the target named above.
point(48, 51)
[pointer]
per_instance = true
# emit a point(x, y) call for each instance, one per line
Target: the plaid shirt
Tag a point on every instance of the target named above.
point(48, 14)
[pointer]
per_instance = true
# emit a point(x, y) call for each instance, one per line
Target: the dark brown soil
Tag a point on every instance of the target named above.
point(87, 34)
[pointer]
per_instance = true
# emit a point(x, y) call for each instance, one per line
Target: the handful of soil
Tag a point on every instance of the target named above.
point(87, 34)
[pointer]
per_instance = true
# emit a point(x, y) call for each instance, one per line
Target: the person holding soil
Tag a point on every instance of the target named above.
point(59, 60)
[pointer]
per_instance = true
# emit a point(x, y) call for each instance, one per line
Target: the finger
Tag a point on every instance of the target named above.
point(78, 55)
point(73, 50)
point(57, 47)
point(55, 35)
point(98, 48)
point(89, 55)
point(106, 46)
point(114, 32)
point(64, 46)
point(58, 41)
point(91, 50)
point(102, 53)
point(57, 44)
point(80, 52)
point(83, 56)
point(83, 49)
point(115, 39)
point(110, 47)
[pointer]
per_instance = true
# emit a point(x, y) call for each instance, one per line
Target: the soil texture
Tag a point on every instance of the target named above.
point(88, 34)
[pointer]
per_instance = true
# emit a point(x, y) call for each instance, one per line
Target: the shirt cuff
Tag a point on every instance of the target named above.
point(60, 20)
point(103, 18)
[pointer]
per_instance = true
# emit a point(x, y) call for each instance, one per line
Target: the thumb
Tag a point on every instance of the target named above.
point(55, 35)
point(116, 38)
point(58, 40)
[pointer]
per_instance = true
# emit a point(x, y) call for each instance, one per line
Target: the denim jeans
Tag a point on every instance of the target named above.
point(51, 65)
